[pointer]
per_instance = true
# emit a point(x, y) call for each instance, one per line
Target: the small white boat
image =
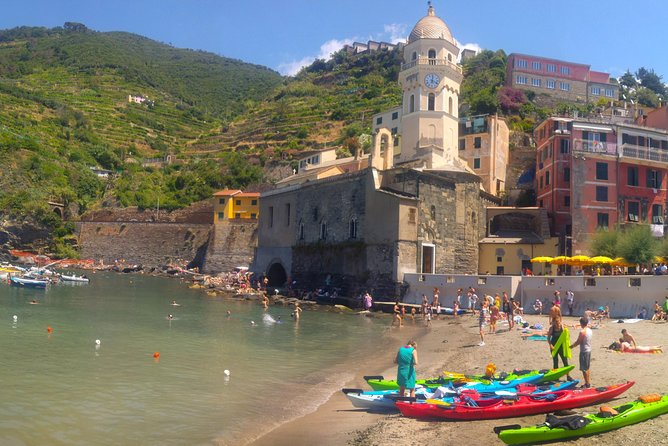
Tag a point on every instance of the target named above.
point(74, 278)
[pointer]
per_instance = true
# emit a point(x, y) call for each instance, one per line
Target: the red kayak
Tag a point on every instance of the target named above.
point(471, 407)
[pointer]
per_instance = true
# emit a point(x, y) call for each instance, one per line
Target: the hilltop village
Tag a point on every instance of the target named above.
point(427, 199)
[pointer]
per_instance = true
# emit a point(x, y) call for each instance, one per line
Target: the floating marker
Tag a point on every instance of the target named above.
point(49, 329)
point(16, 318)
point(226, 372)
point(156, 355)
point(97, 342)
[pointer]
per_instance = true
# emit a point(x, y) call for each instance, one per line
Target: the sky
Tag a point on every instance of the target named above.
point(610, 35)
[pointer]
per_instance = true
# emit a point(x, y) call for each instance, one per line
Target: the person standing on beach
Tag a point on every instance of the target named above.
point(570, 297)
point(482, 316)
point(584, 341)
point(507, 310)
point(558, 339)
point(425, 305)
point(436, 302)
point(406, 361)
point(493, 317)
point(397, 315)
point(428, 316)
point(368, 301)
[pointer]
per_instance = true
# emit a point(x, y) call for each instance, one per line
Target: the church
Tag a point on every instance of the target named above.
point(413, 207)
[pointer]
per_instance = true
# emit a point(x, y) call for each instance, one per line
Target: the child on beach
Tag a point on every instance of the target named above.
point(481, 321)
point(428, 316)
point(494, 316)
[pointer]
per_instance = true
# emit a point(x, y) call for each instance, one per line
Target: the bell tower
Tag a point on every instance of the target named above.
point(430, 79)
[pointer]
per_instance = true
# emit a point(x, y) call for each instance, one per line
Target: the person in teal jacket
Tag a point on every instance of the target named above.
point(406, 360)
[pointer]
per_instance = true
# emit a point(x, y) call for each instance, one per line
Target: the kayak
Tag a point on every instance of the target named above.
point(629, 413)
point(383, 400)
point(470, 408)
point(380, 383)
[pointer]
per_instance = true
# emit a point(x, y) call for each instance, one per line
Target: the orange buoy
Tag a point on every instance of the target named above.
point(49, 329)
point(156, 355)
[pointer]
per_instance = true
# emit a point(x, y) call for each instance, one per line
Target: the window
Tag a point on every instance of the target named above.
point(352, 228)
point(301, 231)
point(449, 57)
point(601, 171)
point(564, 86)
point(221, 201)
point(602, 193)
point(253, 202)
point(634, 211)
point(522, 80)
point(477, 142)
point(609, 92)
point(238, 202)
point(657, 214)
point(237, 215)
point(411, 104)
point(432, 212)
point(450, 105)
point(535, 82)
point(540, 203)
point(653, 179)
point(547, 178)
point(315, 214)
point(551, 68)
point(323, 230)
point(535, 65)
point(563, 148)
point(520, 63)
point(412, 215)
point(395, 116)
point(432, 57)
point(499, 259)
point(395, 143)
point(414, 56)
point(567, 174)
point(602, 220)
point(394, 130)
point(566, 70)
point(476, 163)
point(287, 214)
point(541, 182)
point(254, 216)
point(551, 84)
point(632, 176)
point(271, 217)
point(431, 102)
point(379, 120)
point(221, 215)
point(462, 144)
point(567, 201)
point(596, 91)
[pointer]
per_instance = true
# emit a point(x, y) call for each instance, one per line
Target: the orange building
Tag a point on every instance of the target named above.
point(232, 204)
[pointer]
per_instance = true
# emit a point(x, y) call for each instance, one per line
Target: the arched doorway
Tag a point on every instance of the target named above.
point(276, 275)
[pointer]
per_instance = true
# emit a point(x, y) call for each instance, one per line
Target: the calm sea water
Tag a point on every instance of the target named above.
point(61, 389)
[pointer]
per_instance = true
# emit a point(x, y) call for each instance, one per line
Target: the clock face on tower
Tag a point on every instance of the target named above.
point(432, 80)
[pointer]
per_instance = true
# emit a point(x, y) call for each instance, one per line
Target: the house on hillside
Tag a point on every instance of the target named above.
point(233, 204)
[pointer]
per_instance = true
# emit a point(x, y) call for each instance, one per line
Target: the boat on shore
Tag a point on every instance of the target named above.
point(74, 278)
point(28, 283)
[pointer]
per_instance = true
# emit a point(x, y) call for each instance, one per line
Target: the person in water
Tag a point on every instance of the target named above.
point(170, 317)
point(397, 315)
point(298, 311)
point(174, 304)
point(406, 361)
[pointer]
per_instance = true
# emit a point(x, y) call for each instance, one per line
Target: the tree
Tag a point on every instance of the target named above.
point(604, 243)
point(511, 99)
point(649, 79)
point(637, 245)
point(628, 80)
point(647, 97)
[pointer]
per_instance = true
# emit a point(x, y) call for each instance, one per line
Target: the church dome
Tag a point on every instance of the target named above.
point(430, 27)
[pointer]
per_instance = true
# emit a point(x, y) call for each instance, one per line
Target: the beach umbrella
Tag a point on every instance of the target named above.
point(541, 259)
point(621, 261)
point(560, 260)
point(580, 260)
point(659, 259)
point(601, 260)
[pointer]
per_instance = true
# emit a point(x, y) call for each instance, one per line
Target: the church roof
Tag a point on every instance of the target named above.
point(431, 27)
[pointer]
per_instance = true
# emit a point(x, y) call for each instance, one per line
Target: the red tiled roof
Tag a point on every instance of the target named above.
point(227, 192)
point(248, 194)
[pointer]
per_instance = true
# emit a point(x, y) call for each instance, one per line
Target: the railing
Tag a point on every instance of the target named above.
point(588, 146)
point(434, 62)
point(644, 153)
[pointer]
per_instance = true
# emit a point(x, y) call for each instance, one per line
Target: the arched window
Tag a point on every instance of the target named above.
point(414, 56)
point(449, 57)
point(323, 230)
point(301, 230)
point(411, 104)
point(450, 105)
point(432, 57)
point(353, 228)
point(432, 211)
point(432, 102)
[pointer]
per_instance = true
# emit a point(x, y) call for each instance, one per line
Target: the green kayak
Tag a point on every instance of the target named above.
point(379, 383)
point(629, 413)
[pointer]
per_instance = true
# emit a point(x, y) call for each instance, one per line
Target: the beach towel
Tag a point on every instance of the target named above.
point(535, 337)
point(564, 341)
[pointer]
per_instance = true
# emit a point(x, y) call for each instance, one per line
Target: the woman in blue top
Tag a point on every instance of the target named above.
point(406, 360)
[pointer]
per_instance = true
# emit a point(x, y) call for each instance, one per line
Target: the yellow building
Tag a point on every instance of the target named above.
point(233, 204)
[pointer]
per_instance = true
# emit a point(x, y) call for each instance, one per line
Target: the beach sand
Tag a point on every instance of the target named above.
point(452, 344)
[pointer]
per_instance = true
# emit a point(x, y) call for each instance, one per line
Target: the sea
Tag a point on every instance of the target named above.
point(104, 364)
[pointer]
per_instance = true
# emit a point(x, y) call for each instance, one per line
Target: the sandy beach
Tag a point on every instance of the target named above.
point(452, 344)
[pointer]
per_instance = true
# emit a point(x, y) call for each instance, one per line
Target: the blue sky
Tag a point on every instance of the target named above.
point(611, 35)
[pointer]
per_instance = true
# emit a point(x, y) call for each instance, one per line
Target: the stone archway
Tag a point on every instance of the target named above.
point(276, 275)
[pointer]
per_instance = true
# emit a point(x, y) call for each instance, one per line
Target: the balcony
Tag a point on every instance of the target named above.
point(433, 62)
point(598, 147)
point(644, 153)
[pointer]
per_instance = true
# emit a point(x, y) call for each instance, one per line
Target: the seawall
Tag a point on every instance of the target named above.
point(231, 243)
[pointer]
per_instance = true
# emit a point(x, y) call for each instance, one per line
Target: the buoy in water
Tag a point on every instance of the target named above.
point(156, 355)
point(252, 322)
point(49, 329)
point(16, 317)
point(97, 342)
point(226, 372)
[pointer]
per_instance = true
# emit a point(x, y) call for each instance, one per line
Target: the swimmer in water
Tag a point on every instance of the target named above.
point(174, 304)
point(229, 313)
point(170, 317)
point(34, 302)
point(252, 322)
